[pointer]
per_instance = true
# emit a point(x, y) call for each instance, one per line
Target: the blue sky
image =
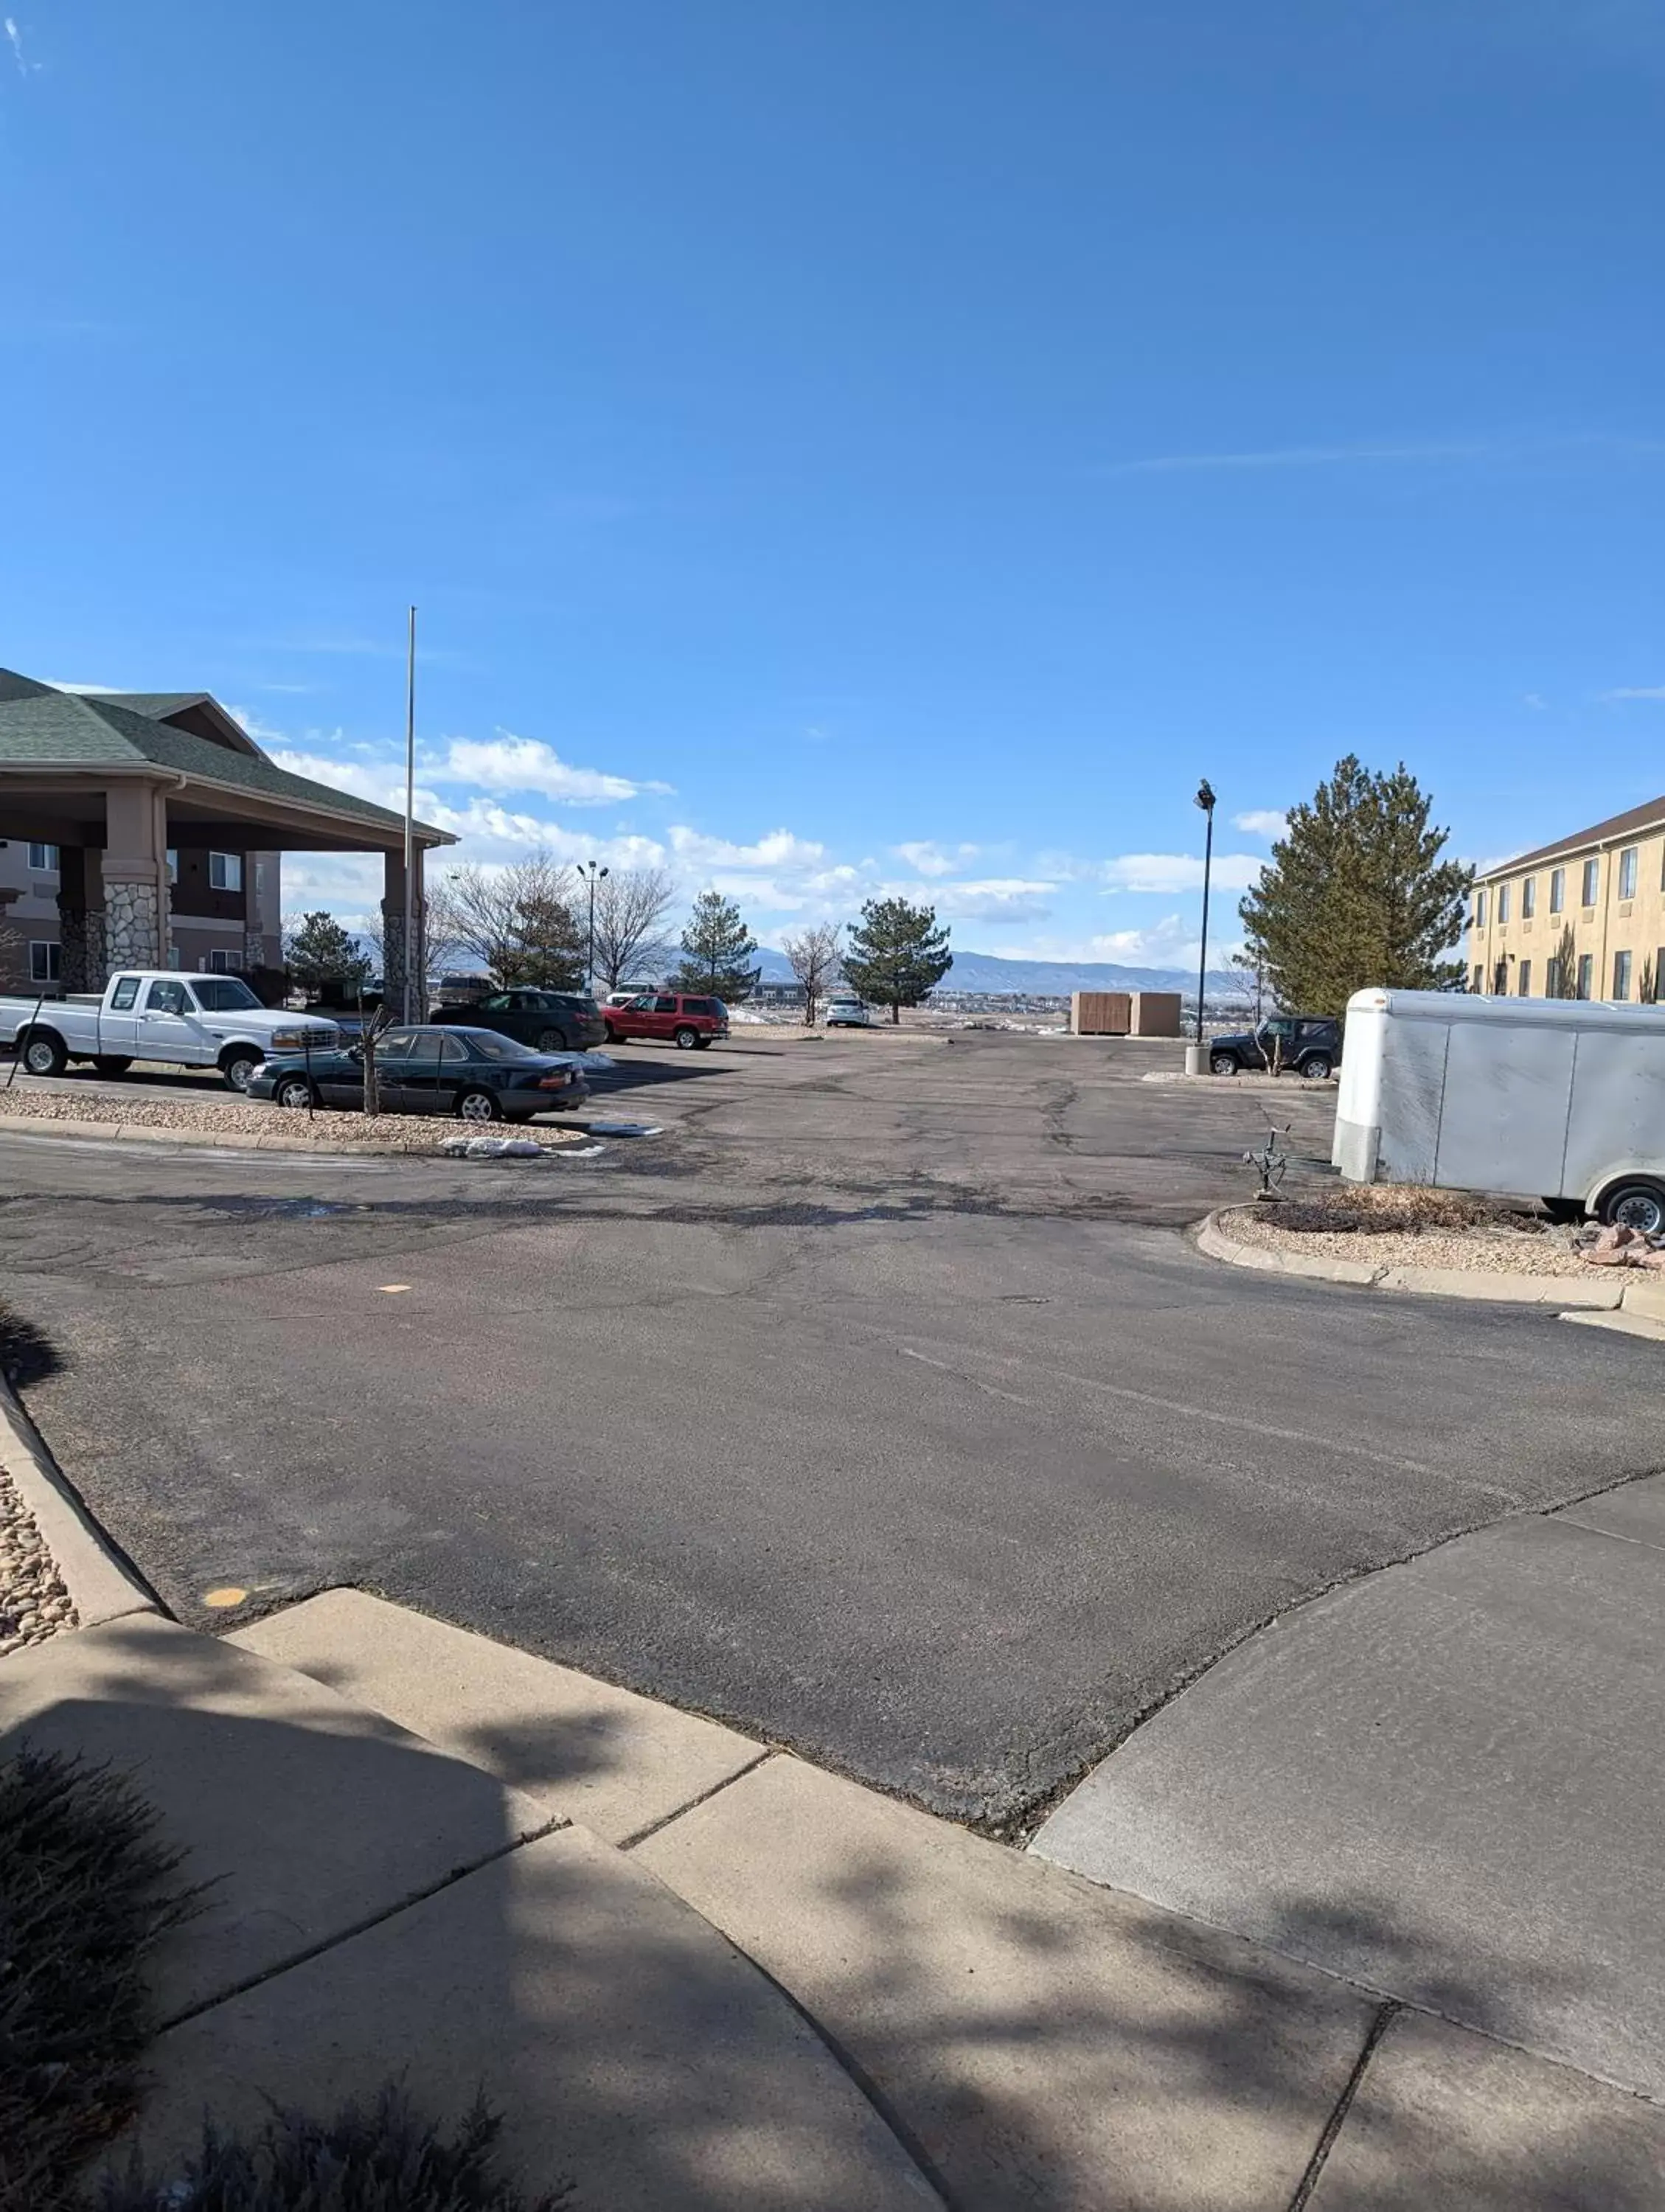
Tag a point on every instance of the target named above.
point(839, 443)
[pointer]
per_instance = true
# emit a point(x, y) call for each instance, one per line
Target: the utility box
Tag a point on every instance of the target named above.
point(1101, 1013)
point(1155, 1013)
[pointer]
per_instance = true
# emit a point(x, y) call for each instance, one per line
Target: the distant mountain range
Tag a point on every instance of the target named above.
point(987, 971)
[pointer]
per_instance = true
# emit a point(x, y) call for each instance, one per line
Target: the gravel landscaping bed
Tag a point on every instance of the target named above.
point(1383, 1227)
point(235, 1118)
point(34, 1602)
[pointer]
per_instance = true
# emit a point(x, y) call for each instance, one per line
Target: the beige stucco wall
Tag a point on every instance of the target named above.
point(1610, 925)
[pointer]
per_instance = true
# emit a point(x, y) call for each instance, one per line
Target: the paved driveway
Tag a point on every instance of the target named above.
point(879, 1406)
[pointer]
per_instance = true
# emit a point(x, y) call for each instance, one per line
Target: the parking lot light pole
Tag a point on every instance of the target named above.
point(594, 871)
point(1205, 800)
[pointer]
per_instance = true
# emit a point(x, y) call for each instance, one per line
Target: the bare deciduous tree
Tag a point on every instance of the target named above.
point(630, 907)
point(815, 962)
point(520, 921)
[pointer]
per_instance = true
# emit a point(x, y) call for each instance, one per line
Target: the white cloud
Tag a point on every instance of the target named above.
point(1167, 872)
point(1262, 822)
point(1637, 691)
point(933, 859)
point(779, 848)
point(506, 762)
point(1535, 701)
point(1004, 899)
point(1294, 457)
point(378, 782)
point(15, 40)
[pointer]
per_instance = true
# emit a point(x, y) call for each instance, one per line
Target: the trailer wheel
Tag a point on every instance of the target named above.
point(1638, 1204)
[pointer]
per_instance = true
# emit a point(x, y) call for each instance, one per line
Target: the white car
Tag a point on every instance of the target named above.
point(848, 1013)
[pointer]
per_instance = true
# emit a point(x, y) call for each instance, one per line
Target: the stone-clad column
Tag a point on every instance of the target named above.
point(80, 918)
point(135, 870)
point(392, 939)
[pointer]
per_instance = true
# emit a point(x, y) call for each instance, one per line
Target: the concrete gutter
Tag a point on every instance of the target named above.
point(1246, 1081)
point(101, 1584)
point(1559, 1291)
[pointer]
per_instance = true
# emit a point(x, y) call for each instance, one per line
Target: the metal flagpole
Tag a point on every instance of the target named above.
point(409, 804)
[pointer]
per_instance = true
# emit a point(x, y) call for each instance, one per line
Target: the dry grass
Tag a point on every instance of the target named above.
point(1392, 1210)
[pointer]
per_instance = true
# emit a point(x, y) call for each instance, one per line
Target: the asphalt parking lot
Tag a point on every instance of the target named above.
point(878, 1406)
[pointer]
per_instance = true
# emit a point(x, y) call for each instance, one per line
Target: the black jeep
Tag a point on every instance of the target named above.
point(1310, 1044)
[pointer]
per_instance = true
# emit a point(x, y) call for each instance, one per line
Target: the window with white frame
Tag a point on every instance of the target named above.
point(1502, 904)
point(1592, 881)
point(1621, 975)
point(225, 871)
point(1529, 899)
point(223, 961)
point(1557, 889)
point(42, 859)
point(45, 959)
point(1480, 910)
point(1627, 860)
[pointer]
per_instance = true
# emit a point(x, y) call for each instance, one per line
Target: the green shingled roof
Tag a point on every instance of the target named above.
point(41, 727)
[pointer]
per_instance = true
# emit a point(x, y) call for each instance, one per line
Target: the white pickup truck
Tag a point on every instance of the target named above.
point(153, 1013)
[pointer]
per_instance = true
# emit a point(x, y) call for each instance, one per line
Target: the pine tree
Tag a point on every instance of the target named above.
point(319, 951)
point(896, 955)
point(1357, 896)
point(716, 951)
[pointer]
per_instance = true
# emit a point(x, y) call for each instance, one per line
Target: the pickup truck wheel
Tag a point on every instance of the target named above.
point(1638, 1204)
point(1224, 1063)
point(237, 1064)
point(44, 1054)
point(687, 1039)
point(111, 1063)
point(296, 1093)
point(1316, 1067)
point(478, 1106)
point(552, 1041)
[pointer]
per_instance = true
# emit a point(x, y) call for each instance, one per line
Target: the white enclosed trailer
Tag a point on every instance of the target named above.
point(1562, 1099)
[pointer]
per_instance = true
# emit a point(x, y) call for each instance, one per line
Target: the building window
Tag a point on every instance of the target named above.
point(1621, 975)
point(1557, 889)
point(1592, 881)
point(1478, 981)
point(223, 963)
point(172, 864)
point(1502, 904)
point(1551, 977)
point(1480, 910)
point(1627, 860)
point(1500, 979)
point(1524, 986)
point(1529, 899)
point(42, 859)
point(1586, 974)
point(225, 871)
point(44, 959)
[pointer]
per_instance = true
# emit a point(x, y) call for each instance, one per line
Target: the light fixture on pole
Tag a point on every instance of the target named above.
point(594, 871)
point(1205, 800)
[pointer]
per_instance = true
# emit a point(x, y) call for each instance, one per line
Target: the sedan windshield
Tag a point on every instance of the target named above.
point(223, 995)
point(486, 1044)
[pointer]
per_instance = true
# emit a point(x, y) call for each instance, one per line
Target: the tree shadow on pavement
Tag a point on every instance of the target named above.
point(379, 1910)
point(1091, 2053)
point(28, 1354)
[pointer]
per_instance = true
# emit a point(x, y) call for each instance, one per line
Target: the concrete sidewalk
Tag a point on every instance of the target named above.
point(1445, 1781)
point(741, 1982)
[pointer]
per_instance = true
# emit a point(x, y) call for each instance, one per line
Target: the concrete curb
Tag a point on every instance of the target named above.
point(1250, 1081)
point(1558, 1291)
point(145, 1133)
point(102, 1587)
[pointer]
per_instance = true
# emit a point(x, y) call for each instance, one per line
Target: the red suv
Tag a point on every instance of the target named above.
point(672, 1015)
